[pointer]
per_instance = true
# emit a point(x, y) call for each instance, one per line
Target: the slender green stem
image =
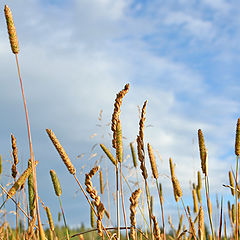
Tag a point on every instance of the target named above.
point(64, 219)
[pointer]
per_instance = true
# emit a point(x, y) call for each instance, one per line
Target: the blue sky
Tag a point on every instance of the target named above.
point(182, 56)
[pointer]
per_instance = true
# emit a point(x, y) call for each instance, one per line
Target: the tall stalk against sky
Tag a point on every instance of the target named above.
point(15, 49)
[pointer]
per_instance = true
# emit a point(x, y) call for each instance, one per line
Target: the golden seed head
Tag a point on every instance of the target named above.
point(201, 223)
point(152, 161)
point(119, 144)
point(101, 181)
point(109, 154)
point(133, 205)
point(14, 170)
point(21, 180)
point(195, 202)
point(56, 183)
point(61, 151)
point(199, 180)
point(14, 149)
point(11, 30)
point(203, 151)
point(231, 180)
point(141, 158)
point(156, 229)
point(50, 219)
point(133, 155)
point(233, 213)
point(199, 195)
point(142, 121)
point(171, 167)
point(176, 189)
point(116, 112)
point(237, 141)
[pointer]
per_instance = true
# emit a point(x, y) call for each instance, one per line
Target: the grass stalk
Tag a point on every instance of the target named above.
point(122, 196)
point(64, 219)
point(236, 198)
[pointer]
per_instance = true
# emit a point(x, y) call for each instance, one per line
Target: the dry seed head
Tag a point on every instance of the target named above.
point(195, 201)
point(21, 180)
point(50, 219)
point(11, 30)
point(141, 157)
point(14, 170)
point(151, 204)
point(119, 144)
point(133, 155)
point(201, 224)
point(192, 229)
point(161, 193)
point(176, 189)
point(152, 161)
point(116, 112)
point(59, 217)
point(61, 151)
point(203, 152)
point(199, 194)
point(56, 183)
point(109, 154)
point(231, 181)
point(14, 149)
point(233, 213)
point(156, 229)
point(142, 121)
point(134, 202)
point(180, 225)
point(237, 141)
point(101, 181)
point(199, 180)
point(171, 167)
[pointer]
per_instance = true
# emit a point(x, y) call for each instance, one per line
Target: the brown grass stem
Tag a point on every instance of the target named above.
point(122, 196)
point(64, 219)
point(31, 151)
point(161, 204)
point(83, 191)
point(236, 199)
point(117, 196)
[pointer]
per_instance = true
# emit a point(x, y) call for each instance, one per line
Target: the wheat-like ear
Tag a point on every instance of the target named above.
point(203, 152)
point(201, 224)
point(237, 141)
point(108, 153)
point(56, 183)
point(116, 112)
point(156, 229)
point(61, 151)
point(119, 144)
point(133, 155)
point(152, 161)
point(50, 219)
point(134, 203)
point(195, 201)
point(231, 181)
point(11, 30)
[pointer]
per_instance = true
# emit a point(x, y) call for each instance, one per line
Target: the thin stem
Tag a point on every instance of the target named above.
point(149, 208)
point(108, 191)
point(64, 219)
point(16, 213)
point(110, 228)
point(79, 184)
point(124, 214)
point(208, 200)
point(161, 204)
point(30, 147)
point(16, 204)
point(118, 210)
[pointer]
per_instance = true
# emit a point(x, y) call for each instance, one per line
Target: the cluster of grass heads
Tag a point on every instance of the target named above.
point(196, 217)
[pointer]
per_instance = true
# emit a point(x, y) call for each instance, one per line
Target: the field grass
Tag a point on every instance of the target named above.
point(101, 227)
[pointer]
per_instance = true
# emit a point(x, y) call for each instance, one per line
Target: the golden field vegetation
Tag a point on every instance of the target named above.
point(154, 226)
